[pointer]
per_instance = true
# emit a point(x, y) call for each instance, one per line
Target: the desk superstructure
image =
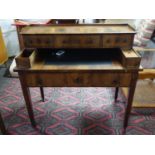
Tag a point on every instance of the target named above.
point(78, 56)
point(79, 36)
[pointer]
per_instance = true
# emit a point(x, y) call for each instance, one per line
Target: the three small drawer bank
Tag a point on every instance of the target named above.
point(79, 36)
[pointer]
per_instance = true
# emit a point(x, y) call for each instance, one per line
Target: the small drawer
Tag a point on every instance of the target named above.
point(38, 41)
point(130, 59)
point(123, 41)
point(78, 79)
point(26, 58)
point(77, 41)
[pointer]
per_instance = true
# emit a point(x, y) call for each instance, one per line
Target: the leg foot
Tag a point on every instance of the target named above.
point(116, 93)
point(42, 94)
point(27, 97)
point(2, 126)
point(29, 106)
point(130, 98)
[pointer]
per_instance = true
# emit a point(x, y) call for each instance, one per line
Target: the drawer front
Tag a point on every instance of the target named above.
point(78, 79)
point(38, 41)
point(133, 63)
point(25, 59)
point(130, 59)
point(123, 41)
point(77, 41)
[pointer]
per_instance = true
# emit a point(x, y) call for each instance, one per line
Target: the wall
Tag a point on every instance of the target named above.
point(10, 36)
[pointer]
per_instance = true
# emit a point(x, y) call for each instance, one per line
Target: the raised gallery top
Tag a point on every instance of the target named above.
point(79, 29)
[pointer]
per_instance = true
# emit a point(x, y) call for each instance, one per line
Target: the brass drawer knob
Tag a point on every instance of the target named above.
point(124, 40)
point(89, 41)
point(108, 41)
point(38, 41)
point(47, 41)
point(116, 82)
point(78, 80)
point(65, 41)
point(39, 82)
point(30, 42)
point(71, 41)
point(117, 40)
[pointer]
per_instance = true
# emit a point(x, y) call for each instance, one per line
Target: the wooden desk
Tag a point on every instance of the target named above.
point(114, 63)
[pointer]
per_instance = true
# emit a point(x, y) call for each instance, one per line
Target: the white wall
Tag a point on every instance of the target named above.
point(133, 22)
point(10, 36)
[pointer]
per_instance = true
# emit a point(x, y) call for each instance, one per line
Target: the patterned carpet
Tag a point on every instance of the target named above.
point(71, 111)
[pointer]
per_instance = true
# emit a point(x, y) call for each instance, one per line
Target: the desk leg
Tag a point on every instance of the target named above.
point(116, 93)
point(130, 97)
point(42, 94)
point(2, 126)
point(27, 97)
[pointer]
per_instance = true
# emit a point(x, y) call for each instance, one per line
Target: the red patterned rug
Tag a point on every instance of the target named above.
point(71, 111)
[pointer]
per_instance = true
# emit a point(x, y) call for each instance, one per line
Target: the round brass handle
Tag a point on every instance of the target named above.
point(65, 41)
point(47, 41)
point(124, 40)
point(89, 41)
point(39, 82)
point(71, 41)
point(38, 41)
point(116, 82)
point(117, 40)
point(108, 41)
point(137, 64)
point(78, 80)
point(30, 42)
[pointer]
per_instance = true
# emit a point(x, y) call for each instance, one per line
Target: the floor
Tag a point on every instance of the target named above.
point(144, 94)
point(70, 111)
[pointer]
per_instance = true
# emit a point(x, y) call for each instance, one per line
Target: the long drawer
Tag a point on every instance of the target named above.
point(78, 79)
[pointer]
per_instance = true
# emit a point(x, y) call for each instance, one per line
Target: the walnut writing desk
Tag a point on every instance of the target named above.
point(78, 56)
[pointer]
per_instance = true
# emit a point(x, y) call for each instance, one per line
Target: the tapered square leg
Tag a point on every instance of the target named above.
point(27, 97)
point(2, 126)
point(130, 98)
point(116, 93)
point(42, 94)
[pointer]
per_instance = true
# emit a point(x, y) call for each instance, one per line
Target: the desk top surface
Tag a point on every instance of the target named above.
point(79, 29)
point(77, 60)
